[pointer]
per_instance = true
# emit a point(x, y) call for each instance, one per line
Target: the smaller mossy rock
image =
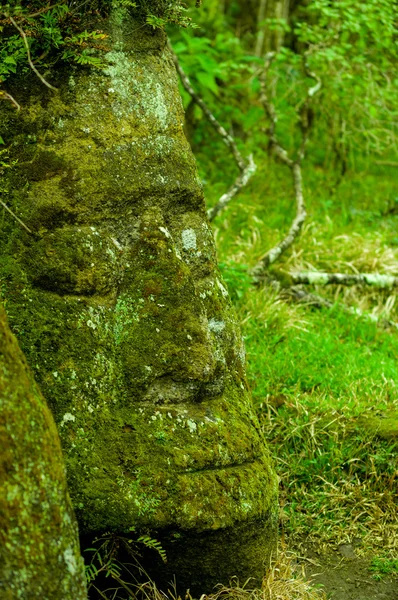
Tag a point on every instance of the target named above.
point(384, 426)
point(39, 548)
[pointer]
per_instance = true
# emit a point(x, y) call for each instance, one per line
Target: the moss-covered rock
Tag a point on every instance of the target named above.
point(39, 547)
point(119, 306)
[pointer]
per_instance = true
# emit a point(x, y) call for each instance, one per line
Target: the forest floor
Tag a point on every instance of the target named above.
point(344, 575)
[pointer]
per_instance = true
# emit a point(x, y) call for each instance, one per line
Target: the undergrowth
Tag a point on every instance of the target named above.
point(283, 581)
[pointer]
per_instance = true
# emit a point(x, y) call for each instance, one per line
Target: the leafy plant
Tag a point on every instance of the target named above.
point(150, 542)
point(106, 560)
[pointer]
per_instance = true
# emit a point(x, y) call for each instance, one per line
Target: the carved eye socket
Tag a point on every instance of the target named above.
point(74, 260)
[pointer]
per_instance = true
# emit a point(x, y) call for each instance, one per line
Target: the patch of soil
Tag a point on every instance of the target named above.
point(345, 576)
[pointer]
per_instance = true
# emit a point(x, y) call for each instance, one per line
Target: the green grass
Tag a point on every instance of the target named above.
point(317, 374)
point(383, 567)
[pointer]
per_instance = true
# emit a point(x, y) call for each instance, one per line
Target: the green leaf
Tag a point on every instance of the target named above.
point(208, 81)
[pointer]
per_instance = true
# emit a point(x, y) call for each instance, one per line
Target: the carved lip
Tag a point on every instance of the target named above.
point(218, 468)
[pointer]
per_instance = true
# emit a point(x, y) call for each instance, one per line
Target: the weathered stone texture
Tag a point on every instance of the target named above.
point(39, 548)
point(121, 310)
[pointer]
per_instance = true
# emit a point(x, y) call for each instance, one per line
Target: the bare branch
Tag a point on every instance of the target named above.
point(386, 163)
point(32, 66)
point(7, 96)
point(229, 141)
point(272, 255)
point(16, 218)
point(316, 301)
point(246, 168)
point(40, 12)
point(294, 165)
point(371, 279)
point(238, 184)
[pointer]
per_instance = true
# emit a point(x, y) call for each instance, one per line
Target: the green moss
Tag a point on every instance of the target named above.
point(39, 549)
point(120, 308)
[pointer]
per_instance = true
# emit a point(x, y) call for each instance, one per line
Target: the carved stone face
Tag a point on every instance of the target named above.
point(124, 315)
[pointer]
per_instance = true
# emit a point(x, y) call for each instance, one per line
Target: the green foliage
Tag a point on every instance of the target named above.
point(52, 31)
point(215, 67)
point(150, 542)
point(171, 14)
point(12, 54)
point(106, 559)
point(351, 48)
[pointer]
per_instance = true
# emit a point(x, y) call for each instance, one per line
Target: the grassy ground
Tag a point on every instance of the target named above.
point(323, 380)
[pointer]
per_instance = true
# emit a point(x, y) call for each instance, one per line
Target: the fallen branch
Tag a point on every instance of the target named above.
point(16, 218)
point(246, 168)
point(386, 163)
point(371, 279)
point(316, 301)
point(239, 183)
point(274, 253)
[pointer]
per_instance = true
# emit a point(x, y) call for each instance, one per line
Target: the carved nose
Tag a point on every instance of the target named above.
point(162, 330)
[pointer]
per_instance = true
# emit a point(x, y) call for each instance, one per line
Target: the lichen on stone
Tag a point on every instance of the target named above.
point(120, 295)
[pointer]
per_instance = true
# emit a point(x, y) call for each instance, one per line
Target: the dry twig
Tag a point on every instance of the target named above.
point(246, 168)
point(316, 301)
point(386, 163)
point(238, 184)
point(371, 279)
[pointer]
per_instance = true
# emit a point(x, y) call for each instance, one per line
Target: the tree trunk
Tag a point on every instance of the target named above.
point(39, 547)
point(268, 38)
point(119, 305)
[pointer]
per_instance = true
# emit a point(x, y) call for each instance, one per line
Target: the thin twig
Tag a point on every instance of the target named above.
point(386, 163)
point(274, 253)
point(246, 168)
point(32, 66)
point(7, 96)
point(371, 279)
point(16, 218)
point(316, 301)
point(41, 11)
point(238, 184)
